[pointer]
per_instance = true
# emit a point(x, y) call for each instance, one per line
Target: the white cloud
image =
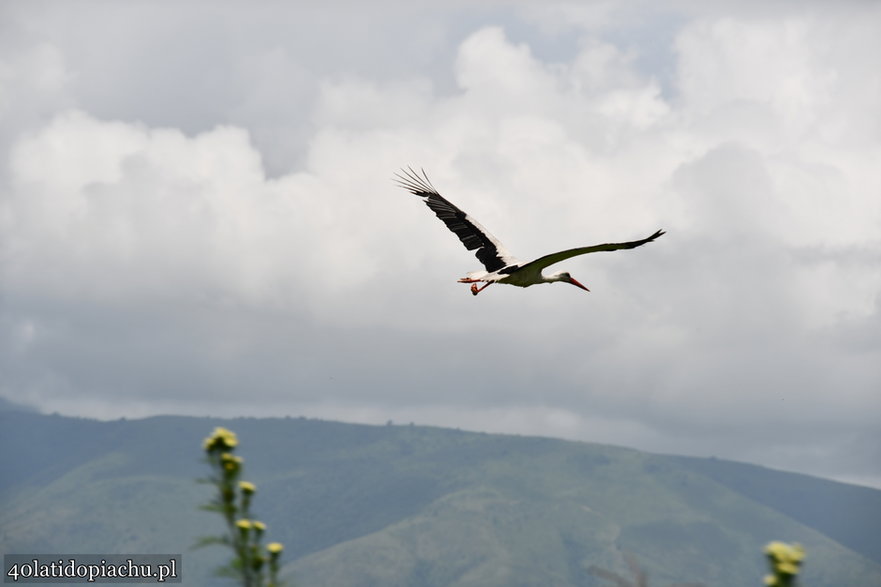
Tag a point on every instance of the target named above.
point(109, 208)
point(316, 284)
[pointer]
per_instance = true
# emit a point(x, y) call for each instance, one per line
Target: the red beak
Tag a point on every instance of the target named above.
point(574, 282)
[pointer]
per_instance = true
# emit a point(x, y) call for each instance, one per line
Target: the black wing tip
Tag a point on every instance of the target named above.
point(660, 232)
point(417, 183)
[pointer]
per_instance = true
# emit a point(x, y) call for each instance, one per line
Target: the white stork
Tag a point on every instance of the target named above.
point(501, 266)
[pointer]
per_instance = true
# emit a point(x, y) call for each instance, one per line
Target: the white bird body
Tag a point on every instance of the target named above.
point(501, 266)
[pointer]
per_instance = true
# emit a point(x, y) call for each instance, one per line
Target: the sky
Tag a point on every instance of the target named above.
point(197, 217)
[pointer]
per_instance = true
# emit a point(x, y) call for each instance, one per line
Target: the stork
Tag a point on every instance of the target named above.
point(501, 266)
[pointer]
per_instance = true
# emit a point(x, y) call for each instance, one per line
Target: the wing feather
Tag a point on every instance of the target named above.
point(548, 260)
point(475, 237)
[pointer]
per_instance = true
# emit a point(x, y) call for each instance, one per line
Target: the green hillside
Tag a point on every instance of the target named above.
point(410, 505)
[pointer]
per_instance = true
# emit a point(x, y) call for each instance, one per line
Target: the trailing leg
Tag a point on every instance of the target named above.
point(476, 290)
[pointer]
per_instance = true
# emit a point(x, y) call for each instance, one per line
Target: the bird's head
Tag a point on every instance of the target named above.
point(565, 277)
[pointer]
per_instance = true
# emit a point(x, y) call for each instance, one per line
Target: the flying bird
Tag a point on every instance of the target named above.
point(501, 266)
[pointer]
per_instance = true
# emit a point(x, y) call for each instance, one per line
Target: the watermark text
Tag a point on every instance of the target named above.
point(91, 568)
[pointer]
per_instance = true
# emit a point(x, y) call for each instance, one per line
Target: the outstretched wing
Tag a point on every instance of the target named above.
point(475, 237)
point(549, 260)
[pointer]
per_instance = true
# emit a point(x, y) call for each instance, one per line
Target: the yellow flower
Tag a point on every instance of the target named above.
point(784, 559)
point(275, 547)
point(220, 439)
point(247, 487)
point(243, 525)
point(258, 525)
point(231, 462)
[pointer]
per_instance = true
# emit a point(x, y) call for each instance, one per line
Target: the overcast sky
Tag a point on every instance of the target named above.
point(197, 217)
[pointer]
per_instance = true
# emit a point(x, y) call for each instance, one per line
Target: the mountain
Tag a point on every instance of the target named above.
point(10, 406)
point(410, 505)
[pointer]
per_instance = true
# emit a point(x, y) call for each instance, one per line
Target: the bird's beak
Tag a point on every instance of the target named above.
point(574, 282)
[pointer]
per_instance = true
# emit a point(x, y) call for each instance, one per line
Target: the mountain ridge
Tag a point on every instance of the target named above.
point(413, 505)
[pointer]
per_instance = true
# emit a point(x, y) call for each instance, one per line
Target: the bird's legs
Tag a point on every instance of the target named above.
point(474, 289)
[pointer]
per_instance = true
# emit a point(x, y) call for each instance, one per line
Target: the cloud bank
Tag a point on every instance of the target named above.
point(202, 221)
